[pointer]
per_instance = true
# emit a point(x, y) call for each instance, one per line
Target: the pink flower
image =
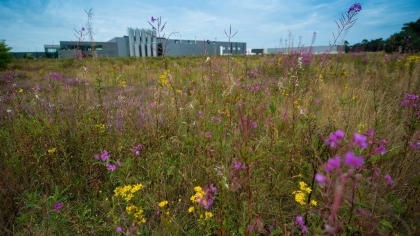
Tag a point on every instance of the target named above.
point(360, 140)
point(388, 179)
point(333, 164)
point(320, 178)
point(353, 161)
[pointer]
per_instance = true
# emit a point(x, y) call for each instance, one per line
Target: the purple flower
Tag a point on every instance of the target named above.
point(208, 134)
point(353, 161)
point(207, 200)
point(355, 8)
point(380, 150)
point(320, 178)
point(318, 101)
point(388, 179)
point(153, 19)
point(118, 230)
point(335, 138)
point(254, 125)
point(360, 140)
point(153, 104)
point(333, 164)
point(104, 156)
point(111, 167)
point(237, 165)
point(200, 113)
point(301, 223)
point(58, 206)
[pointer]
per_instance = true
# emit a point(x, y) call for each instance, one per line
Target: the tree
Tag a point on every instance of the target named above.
point(5, 56)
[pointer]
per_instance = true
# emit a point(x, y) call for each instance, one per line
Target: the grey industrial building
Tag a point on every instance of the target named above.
point(144, 43)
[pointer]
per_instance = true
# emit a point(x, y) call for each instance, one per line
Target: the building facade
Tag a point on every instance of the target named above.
point(143, 43)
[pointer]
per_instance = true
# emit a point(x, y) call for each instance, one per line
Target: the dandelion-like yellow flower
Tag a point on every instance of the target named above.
point(191, 209)
point(20, 90)
point(313, 203)
point(162, 204)
point(52, 150)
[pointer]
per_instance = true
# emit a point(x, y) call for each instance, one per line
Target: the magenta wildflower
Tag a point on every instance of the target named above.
point(360, 140)
point(333, 164)
point(380, 150)
point(200, 113)
point(237, 165)
point(104, 156)
point(388, 179)
point(352, 160)
point(254, 125)
point(335, 138)
point(207, 200)
point(318, 101)
point(301, 223)
point(208, 134)
point(58, 206)
point(111, 167)
point(320, 178)
point(118, 230)
point(153, 104)
point(355, 8)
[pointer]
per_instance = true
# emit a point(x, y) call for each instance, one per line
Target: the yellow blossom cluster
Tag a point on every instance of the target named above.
point(100, 128)
point(199, 194)
point(52, 150)
point(136, 213)
point(301, 195)
point(162, 204)
point(127, 191)
point(164, 79)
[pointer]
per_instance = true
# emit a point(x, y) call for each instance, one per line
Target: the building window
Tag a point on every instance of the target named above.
point(239, 48)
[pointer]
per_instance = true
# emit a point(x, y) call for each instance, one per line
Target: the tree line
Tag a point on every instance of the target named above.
point(407, 40)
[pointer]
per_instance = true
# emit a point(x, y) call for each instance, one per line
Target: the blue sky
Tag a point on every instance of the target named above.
point(27, 25)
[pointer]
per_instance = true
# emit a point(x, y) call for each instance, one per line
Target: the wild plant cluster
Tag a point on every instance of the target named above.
point(267, 145)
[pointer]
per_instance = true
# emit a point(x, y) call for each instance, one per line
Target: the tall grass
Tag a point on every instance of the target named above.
point(253, 134)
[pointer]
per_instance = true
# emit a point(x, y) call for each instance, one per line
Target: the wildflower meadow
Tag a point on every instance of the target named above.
point(282, 144)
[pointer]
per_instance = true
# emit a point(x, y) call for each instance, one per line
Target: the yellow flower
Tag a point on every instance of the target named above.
point(127, 191)
point(162, 204)
point(191, 209)
point(304, 187)
point(300, 197)
point(52, 150)
point(313, 203)
point(199, 193)
point(20, 90)
point(208, 215)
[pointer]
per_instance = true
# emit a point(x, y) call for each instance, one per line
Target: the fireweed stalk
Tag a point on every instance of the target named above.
point(346, 172)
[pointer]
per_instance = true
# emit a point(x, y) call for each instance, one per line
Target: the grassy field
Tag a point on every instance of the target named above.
point(244, 145)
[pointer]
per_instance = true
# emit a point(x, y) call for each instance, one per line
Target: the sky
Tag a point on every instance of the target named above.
point(27, 25)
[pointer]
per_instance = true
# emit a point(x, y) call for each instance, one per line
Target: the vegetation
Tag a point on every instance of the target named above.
point(5, 56)
point(77, 142)
point(407, 40)
point(292, 144)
